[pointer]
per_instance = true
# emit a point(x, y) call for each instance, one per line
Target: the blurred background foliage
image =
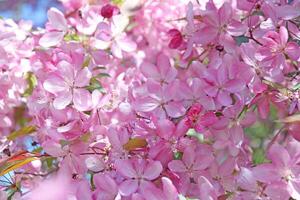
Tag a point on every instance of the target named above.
point(33, 10)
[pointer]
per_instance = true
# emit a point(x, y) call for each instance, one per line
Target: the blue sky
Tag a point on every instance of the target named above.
point(34, 10)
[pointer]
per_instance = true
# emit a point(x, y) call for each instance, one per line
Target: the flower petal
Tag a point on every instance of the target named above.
point(128, 187)
point(82, 99)
point(62, 100)
point(50, 39)
point(55, 84)
point(57, 19)
point(177, 166)
point(125, 168)
point(153, 170)
point(83, 77)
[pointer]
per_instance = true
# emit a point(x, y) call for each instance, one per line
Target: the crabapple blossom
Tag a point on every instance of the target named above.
point(152, 100)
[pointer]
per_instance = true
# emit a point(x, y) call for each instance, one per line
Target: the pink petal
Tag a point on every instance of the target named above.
point(280, 191)
point(222, 75)
point(66, 71)
point(211, 91)
point(175, 109)
point(279, 155)
point(55, 84)
point(292, 49)
point(153, 170)
point(225, 13)
point(150, 71)
point(126, 44)
point(5, 121)
point(116, 50)
point(207, 34)
point(263, 107)
point(83, 77)
point(287, 12)
point(188, 156)
point(146, 104)
point(234, 85)
point(52, 148)
point(125, 168)
point(169, 189)
point(82, 99)
point(167, 72)
point(100, 57)
point(284, 35)
point(177, 166)
point(57, 19)
point(224, 98)
point(50, 39)
point(106, 183)
point(208, 119)
point(236, 28)
point(203, 162)
point(246, 179)
point(128, 187)
point(266, 173)
point(62, 100)
point(165, 128)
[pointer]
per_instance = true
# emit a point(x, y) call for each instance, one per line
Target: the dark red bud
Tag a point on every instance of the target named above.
point(107, 11)
point(176, 38)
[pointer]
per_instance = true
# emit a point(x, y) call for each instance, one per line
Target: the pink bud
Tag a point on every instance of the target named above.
point(107, 11)
point(176, 38)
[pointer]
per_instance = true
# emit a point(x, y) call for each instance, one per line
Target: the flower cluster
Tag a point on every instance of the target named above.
point(152, 100)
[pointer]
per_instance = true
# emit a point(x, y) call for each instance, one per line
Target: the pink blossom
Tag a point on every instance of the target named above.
point(137, 173)
point(57, 25)
point(68, 86)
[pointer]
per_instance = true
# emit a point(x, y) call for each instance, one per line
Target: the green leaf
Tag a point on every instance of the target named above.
point(99, 67)
point(258, 156)
point(86, 62)
point(117, 2)
point(258, 13)
point(64, 142)
point(193, 133)
point(32, 82)
point(101, 75)
point(16, 161)
point(177, 155)
point(19, 118)
point(241, 39)
point(71, 37)
point(297, 86)
point(258, 130)
point(135, 143)
point(95, 85)
point(21, 132)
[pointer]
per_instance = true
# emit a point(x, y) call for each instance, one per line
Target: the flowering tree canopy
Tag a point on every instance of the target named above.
point(152, 100)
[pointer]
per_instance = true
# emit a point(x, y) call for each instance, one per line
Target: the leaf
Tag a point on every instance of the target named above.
point(241, 39)
point(71, 37)
point(95, 85)
point(99, 67)
point(101, 75)
point(296, 87)
point(177, 155)
point(15, 165)
point(258, 156)
point(21, 132)
point(135, 143)
point(16, 161)
point(117, 2)
point(193, 133)
point(19, 113)
point(32, 82)
point(291, 119)
point(86, 62)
